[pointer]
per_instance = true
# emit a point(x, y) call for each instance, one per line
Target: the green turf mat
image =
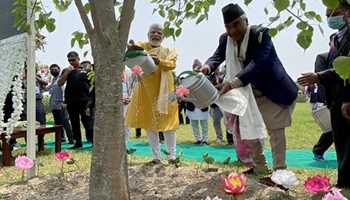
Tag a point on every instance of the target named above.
point(301, 158)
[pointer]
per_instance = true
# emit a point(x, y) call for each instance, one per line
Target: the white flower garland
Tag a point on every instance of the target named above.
point(17, 104)
point(13, 55)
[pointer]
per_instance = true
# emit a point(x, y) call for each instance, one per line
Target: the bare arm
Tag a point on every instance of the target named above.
point(64, 76)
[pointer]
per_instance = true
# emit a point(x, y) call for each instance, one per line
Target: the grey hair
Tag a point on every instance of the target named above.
point(155, 26)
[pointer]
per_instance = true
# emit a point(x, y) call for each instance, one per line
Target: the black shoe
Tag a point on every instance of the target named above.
point(63, 140)
point(71, 142)
point(154, 162)
point(249, 171)
point(76, 146)
point(198, 142)
point(130, 151)
point(205, 143)
point(172, 162)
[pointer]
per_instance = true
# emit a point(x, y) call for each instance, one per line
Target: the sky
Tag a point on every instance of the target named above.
point(196, 41)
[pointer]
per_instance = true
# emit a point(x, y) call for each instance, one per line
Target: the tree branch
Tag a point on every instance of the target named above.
point(296, 16)
point(84, 17)
point(126, 17)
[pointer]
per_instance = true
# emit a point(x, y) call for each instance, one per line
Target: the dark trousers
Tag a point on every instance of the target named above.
point(341, 136)
point(138, 132)
point(229, 138)
point(77, 111)
point(61, 118)
point(181, 118)
point(161, 136)
point(40, 112)
point(325, 141)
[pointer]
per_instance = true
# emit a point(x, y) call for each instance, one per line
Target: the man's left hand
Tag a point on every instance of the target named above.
point(229, 85)
point(307, 79)
point(226, 86)
point(155, 59)
point(346, 110)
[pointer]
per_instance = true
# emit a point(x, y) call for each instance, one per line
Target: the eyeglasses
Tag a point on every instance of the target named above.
point(71, 60)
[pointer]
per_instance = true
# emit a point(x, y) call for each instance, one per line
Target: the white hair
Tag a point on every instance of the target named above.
point(155, 26)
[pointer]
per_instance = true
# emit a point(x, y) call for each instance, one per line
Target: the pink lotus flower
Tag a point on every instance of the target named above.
point(23, 162)
point(317, 183)
point(235, 183)
point(334, 194)
point(181, 91)
point(62, 155)
point(137, 70)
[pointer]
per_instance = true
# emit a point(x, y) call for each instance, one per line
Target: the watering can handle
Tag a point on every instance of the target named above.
point(188, 73)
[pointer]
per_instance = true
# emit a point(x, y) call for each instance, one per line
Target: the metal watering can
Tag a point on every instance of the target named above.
point(140, 58)
point(202, 91)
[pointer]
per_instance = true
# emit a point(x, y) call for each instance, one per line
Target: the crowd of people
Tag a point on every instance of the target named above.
point(251, 64)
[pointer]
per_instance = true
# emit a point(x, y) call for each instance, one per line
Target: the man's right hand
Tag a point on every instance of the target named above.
point(204, 69)
point(133, 46)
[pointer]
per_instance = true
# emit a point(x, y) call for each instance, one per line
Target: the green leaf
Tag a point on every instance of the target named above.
point(273, 32)
point(200, 19)
point(266, 11)
point(332, 4)
point(302, 25)
point(161, 13)
point(310, 14)
point(318, 18)
point(87, 7)
point(50, 25)
point(171, 14)
point(303, 6)
point(273, 19)
point(321, 29)
point(281, 5)
point(62, 5)
point(178, 32)
point(212, 2)
point(179, 22)
point(72, 42)
point(342, 66)
point(166, 24)
point(168, 32)
point(247, 2)
point(304, 38)
point(189, 6)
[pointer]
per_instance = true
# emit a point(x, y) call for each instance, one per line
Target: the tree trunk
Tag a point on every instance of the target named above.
point(109, 170)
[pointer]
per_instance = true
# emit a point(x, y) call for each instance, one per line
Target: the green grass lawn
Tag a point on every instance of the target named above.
point(303, 134)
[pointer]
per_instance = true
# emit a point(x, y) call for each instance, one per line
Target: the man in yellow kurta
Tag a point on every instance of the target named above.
point(150, 108)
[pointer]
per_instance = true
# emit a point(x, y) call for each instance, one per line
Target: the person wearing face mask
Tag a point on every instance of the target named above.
point(336, 92)
point(252, 65)
point(76, 96)
point(56, 105)
point(150, 108)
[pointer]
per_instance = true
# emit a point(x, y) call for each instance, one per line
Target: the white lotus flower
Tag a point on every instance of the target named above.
point(285, 178)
